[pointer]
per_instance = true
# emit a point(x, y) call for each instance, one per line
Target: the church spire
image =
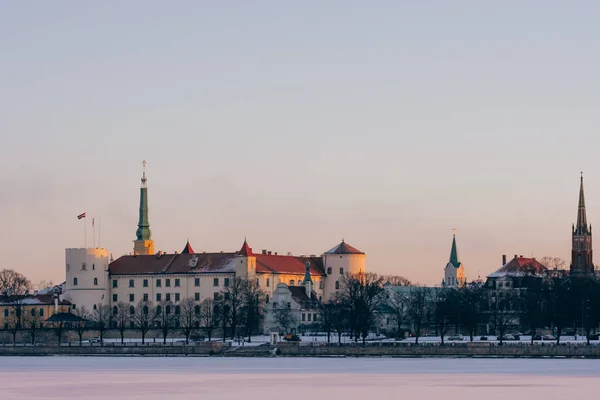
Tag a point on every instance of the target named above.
point(143, 243)
point(582, 226)
point(454, 252)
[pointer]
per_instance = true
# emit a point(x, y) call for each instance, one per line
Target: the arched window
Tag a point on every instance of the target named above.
point(115, 310)
point(74, 281)
point(292, 282)
point(94, 307)
point(95, 281)
point(131, 310)
point(267, 299)
point(159, 310)
point(341, 270)
point(337, 285)
point(320, 298)
point(197, 310)
point(145, 310)
point(321, 284)
point(329, 271)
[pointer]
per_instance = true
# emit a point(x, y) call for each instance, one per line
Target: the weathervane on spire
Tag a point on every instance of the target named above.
point(144, 173)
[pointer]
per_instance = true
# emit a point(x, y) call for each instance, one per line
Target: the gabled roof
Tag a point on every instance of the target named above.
point(300, 297)
point(173, 264)
point(65, 317)
point(344, 248)
point(520, 266)
point(266, 263)
point(187, 249)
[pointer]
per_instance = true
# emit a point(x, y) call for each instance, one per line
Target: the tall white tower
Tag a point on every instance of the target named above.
point(87, 278)
point(343, 259)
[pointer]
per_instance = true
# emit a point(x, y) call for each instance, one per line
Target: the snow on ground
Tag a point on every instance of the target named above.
point(126, 378)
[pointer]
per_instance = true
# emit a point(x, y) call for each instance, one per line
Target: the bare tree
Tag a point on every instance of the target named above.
point(233, 296)
point(396, 280)
point(122, 318)
point(283, 316)
point(142, 318)
point(44, 284)
point(444, 306)
point(209, 317)
point(333, 317)
point(81, 325)
point(553, 263)
point(397, 303)
point(13, 323)
point(188, 317)
point(471, 305)
point(32, 322)
point(253, 300)
point(418, 304)
point(362, 294)
point(101, 318)
point(504, 313)
point(15, 286)
point(164, 316)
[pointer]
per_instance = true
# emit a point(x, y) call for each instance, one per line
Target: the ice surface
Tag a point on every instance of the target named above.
point(173, 378)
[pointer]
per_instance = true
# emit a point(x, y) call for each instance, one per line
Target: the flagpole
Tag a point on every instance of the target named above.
point(93, 233)
point(99, 232)
point(84, 233)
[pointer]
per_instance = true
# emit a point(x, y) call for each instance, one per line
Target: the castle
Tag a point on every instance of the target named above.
point(93, 279)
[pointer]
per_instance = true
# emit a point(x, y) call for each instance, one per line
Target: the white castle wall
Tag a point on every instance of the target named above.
point(86, 277)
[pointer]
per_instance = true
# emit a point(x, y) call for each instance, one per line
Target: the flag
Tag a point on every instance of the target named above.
point(81, 216)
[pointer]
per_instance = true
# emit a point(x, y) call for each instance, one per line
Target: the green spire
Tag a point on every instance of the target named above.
point(143, 231)
point(454, 253)
point(307, 277)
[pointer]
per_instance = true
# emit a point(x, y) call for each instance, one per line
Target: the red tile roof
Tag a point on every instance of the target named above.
point(520, 266)
point(174, 264)
point(288, 264)
point(344, 248)
point(187, 249)
point(246, 250)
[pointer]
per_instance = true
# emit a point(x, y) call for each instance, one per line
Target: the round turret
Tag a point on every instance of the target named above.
point(86, 277)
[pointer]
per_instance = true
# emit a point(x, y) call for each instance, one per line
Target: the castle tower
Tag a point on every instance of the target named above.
point(246, 268)
point(454, 273)
point(143, 243)
point(581, 249)
point(86, 282)
point(343, 259)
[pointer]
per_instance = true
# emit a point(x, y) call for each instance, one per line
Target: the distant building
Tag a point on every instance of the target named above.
point(92, 278)
point(454, 273)
point(581, 249)
point(24, 310)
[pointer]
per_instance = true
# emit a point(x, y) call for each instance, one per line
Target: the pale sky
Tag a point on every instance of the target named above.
point(297, 124)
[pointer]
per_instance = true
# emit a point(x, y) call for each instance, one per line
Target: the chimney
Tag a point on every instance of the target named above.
point(503, 259)
point(269, 252)
point(264, 252)
point(515, 256)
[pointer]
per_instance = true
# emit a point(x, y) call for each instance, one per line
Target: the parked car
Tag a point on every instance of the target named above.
point(483, 338)
point(455, 337)
point(537, 337)
point(508, 337)
point(94, 340)
point(292, 338)
point(548, 337)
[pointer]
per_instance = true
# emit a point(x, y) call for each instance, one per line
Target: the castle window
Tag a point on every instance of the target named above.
point(177, 297)
point(131, 297)
point(33, 312)
point(131, 283)
point(74, 306)
point(227, 296)
point(216, 282)
point(131, 310)
point(197, 310)
point(145, 310)
point(337, 285)
point(226, 282)
point(177, 310)
point(41, 312)
point(321, 284)
point(168, 310)
point(93, 267)
point(320, 298)
point(158, 297)
point(216, 296)
point(83, 267)
point(94, 307)
point(289, 305)
point(268, 282)
point(115, 298)
point(74, 281)
point(257, 282)
point(267, 299)
point(196, 282)
point(309, 316)
point(158, 283)
point(303, 317)
point(167, 282)
point(145, 284)
point(6, 312)
point(115, 283)
point(115, 310)
point(168, 297)
point(177, 282)
point(159, 310)
point(67, 267)
point(95, 281)
point(341, 271)
point(329, 271)
point(197, 296)
point(292, 282)
point(145, 297)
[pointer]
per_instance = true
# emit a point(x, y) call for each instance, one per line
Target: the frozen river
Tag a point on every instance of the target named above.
point(67, 378)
